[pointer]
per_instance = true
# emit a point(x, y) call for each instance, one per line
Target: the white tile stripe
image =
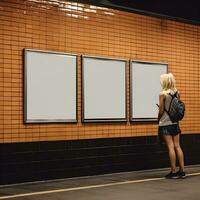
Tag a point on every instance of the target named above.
point(86, 187)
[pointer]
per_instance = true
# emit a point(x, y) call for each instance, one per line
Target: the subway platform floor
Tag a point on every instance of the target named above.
point(136, 185)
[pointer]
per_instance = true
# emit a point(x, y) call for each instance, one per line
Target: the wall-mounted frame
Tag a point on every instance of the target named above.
point(103, 89)
point(50, 87)
point(145, 88)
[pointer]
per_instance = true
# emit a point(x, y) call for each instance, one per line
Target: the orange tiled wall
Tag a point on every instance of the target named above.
point(83, 29)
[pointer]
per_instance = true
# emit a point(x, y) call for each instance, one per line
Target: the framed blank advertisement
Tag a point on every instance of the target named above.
point(50, 87)
point(103, 89)
point(145, 89)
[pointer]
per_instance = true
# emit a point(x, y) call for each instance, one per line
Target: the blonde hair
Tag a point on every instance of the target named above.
point(168, 83)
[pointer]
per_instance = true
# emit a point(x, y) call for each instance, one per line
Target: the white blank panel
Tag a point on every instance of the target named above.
point(145, 89)
point(50, 87)
point(104, 89)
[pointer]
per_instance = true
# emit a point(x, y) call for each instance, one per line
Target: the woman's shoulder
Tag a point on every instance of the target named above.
point(162, 93)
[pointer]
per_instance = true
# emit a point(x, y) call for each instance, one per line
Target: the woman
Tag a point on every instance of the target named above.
point(169, 131)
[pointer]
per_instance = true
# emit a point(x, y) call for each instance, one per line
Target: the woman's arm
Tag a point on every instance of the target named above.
point(161, 105)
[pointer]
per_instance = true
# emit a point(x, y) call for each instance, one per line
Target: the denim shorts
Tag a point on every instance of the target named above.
point(172, 130)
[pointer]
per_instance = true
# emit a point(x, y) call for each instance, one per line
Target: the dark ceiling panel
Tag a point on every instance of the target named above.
point(181, 10)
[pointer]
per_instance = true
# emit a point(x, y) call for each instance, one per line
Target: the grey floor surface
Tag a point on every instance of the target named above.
point(119, 186)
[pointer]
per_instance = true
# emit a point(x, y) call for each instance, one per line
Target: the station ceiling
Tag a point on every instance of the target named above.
point(187, 11)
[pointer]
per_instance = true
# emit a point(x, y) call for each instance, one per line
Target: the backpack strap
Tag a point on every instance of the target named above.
point(174, 95)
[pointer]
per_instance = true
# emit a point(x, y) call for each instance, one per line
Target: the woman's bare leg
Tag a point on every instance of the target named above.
point(172, 154)
point(179, 151)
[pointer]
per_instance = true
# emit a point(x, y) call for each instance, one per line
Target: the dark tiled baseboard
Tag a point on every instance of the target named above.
point(35, 161)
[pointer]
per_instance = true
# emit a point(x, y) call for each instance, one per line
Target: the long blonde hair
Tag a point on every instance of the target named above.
point(168, 83)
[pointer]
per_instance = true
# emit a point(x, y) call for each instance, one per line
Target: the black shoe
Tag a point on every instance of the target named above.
point(171, 175)
point(180, 174)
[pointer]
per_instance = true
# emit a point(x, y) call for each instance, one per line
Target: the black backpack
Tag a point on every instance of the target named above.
point(176, 108)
